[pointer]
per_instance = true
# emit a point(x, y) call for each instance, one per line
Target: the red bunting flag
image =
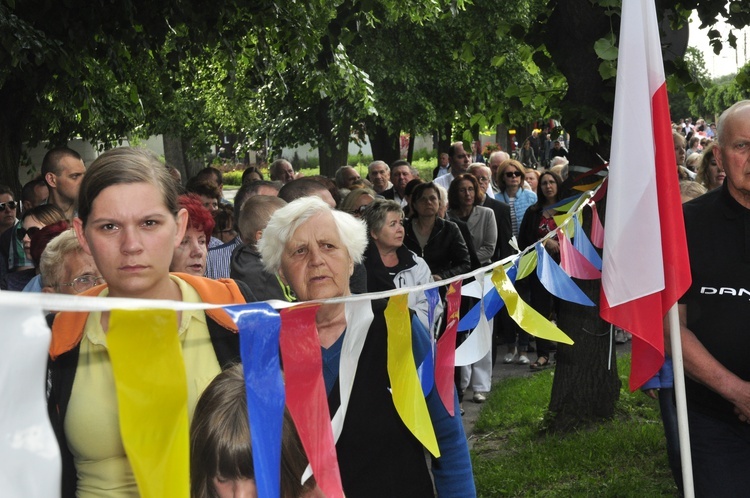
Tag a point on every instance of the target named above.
point(645, 264)
point(306, 395)
point(446, 349)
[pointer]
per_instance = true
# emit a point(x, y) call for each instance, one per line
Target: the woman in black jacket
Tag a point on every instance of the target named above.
point(436, 240)
point(537, 223)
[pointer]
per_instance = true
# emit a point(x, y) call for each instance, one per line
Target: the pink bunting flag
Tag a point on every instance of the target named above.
point(597, 230)
point(574, 263)
point(446, 349)
point(306, 395)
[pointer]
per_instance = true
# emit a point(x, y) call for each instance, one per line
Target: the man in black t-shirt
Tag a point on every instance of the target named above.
point(715, 318)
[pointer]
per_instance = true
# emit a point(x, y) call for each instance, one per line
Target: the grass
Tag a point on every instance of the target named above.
point(424, 164)
point(513, 456)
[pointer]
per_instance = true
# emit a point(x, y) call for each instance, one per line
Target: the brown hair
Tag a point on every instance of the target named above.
point(254, 215)
point(418, 193)
point(46, 213)
point(126, 165)
point(220, 442)
point(453, 198)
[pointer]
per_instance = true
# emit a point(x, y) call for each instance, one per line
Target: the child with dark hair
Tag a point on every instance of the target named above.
point(221, 453)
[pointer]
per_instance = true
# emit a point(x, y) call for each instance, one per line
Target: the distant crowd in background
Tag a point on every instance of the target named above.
point(414, 231)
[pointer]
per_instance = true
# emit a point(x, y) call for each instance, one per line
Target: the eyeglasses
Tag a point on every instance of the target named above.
point(511, 174)
point(23, 232)
point(85, 282)
point(9, 205)
point(468, 190)
point(360, 210)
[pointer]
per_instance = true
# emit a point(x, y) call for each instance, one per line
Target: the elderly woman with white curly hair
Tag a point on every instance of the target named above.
point(314, 248)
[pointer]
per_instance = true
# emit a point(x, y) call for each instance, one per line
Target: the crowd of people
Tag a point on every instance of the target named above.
point(127, 226)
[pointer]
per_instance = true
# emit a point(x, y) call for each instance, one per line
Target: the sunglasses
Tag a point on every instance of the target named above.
point(23, 232)
point(511, 174)
point(360, 210)
point(9, 204)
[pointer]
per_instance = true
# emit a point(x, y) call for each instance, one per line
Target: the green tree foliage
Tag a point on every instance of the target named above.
point(690, 69)
point(90, 69)
point(100, 70)
point(722, 94)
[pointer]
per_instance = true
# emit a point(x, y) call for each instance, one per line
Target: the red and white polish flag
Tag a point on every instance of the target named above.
point(645, 263)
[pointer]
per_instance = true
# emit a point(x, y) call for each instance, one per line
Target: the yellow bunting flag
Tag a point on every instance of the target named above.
point(523, 314)
point(560, 219)
point(402, 371)
point(566, 207)
point(526, 265)
point(590, 186)
point(152, 398)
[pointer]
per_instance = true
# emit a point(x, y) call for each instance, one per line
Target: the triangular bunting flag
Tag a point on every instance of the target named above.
point(259, 327)
point(584, 246)
point(306, 394)
point(597, 230)
point(28, 448)
point(556, 281)
point(477, 345)
point(402, 372)
point(143, 347)
point(446, 349)
point(574, 263)
point(523, 314)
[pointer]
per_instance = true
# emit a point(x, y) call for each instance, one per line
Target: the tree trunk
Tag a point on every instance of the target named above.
point(445, 138)
point(573, 28)
point(176, 154)
point(501, 137)
point(385, 144)
point(412, 139)
point(584, 388)
point(11, 124)
point(333, 148)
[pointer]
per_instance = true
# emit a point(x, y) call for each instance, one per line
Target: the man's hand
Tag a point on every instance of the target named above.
point(740, 398)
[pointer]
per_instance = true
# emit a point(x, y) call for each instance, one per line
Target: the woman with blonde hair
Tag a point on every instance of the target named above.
point(710, 174)
point(510, 177)
point(357, 200)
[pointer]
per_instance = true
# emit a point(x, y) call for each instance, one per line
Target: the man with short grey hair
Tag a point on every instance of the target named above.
point(346, 176)
point(379, 175)
point(714, 316)
point(401, 174)
point(501, 210)
point(281, 170)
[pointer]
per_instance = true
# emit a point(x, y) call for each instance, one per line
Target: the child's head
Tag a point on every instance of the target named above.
point(221, 454)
